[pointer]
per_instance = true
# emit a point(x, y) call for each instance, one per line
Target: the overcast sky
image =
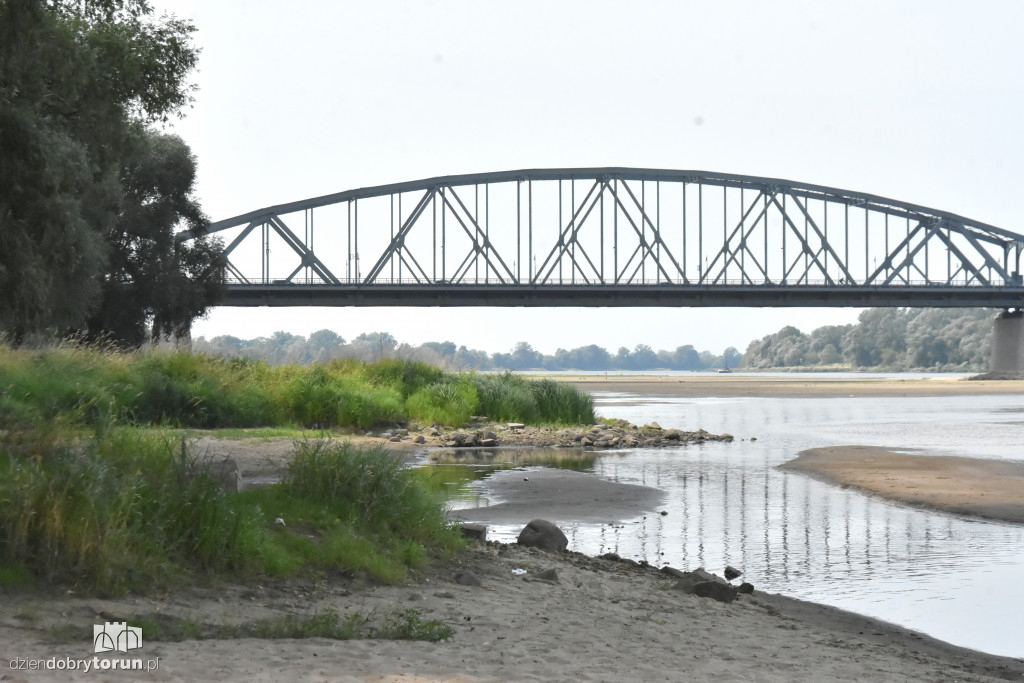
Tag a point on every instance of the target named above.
point(918, 101)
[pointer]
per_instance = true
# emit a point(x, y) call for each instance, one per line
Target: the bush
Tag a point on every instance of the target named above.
point(448, 402)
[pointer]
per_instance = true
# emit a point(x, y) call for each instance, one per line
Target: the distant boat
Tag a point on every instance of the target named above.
point(724, 371)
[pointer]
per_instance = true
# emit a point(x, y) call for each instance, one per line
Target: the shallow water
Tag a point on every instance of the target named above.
point(950, 577)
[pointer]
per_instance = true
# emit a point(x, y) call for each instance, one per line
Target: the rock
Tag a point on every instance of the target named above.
point(488, 443)
point(395, 438)
point(477, 532)
point(587, 441)
point(672, 434)
point(468, 579)
point(452, 444)
point(672, 571)
point(488, 434)
point(542, 534)
point(515, 425)
point(420, 439)
point(664, 513)
point(731, 573)
point(722, 592)
point(225, 474)
point(725, 437)
point(549, 575)
point(614, 557)
point(446, 595)
point(745, 588)
point(433, 432)
point(653, 425)
point(687, 580)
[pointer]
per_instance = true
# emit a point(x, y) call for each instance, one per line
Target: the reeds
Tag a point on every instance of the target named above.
point(101, 389)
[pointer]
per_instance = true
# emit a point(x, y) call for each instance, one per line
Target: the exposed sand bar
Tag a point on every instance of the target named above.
point(993, 489)
point(560, 495)
point(724, 386)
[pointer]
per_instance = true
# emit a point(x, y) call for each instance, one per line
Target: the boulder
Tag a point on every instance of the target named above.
point(542, 534)
point(722, 592)
point(549, 575)
point(477, 532)
point(731, 573)
point(672, 434)
point(468, 579)
point(420, 439)
point(687, 580)
point(746, 588)
point(488, 434)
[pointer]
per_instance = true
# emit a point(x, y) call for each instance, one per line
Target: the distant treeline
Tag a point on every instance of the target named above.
point(324, 345)
point(884, 338)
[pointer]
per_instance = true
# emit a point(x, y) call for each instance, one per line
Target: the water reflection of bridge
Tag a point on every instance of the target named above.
point(783, 529)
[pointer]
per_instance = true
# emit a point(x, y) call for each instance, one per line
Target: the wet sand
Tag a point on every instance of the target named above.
point(993, 489)
point(560, 495)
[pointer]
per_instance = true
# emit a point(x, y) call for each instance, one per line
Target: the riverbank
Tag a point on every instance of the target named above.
point(992, 489)
point(598, 620)
point(777, 386)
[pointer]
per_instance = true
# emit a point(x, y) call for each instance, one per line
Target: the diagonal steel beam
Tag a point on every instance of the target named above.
point(806, 247)
point(399, 239)
point(487, 247)
point(299, 248)
point(655, 231)
point(241, 236)
point(562, 245)
point(647, 248)
point(733, 253)
point(966, 262)
point(911, 253)
point(825, 243)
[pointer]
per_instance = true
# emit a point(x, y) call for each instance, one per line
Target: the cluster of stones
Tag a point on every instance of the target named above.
point(546, 536)
point(607, 434)
point(610, 434)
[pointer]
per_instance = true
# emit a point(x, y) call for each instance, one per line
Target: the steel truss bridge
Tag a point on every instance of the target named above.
point(614, 237)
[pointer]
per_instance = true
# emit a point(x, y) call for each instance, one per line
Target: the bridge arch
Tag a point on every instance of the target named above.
point(615, 237)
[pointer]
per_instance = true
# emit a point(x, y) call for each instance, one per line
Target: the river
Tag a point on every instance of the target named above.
point(953, 578)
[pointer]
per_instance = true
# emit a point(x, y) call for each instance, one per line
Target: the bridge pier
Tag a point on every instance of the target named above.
point(1007, 358)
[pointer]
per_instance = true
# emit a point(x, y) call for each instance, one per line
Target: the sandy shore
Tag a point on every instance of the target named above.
point(992, 489)
point(601, 621)
point(724, 386)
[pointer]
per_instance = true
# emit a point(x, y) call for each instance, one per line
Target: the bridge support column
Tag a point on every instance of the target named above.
point(1008, 344)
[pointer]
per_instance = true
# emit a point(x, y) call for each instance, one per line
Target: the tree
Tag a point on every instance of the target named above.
point(150, 275)
point(76, 80)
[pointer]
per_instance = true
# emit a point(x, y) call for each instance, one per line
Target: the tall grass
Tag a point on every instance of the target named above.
point(117, 513)
point(131, 511)
point(98, 388)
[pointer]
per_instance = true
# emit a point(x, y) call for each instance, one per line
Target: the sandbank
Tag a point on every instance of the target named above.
point(731, 385)
point(993, 489)
point(559, 495)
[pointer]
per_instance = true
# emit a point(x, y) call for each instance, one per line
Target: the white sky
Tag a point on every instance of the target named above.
point(917, 101)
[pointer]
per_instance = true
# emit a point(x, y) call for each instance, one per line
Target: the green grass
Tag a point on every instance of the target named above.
point(101, 389)
point(132, 511)
point(406, 624)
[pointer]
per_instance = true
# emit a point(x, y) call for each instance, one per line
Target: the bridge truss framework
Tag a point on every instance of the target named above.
point(614, 237)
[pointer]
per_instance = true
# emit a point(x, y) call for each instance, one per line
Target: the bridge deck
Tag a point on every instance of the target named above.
point(654, 295)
